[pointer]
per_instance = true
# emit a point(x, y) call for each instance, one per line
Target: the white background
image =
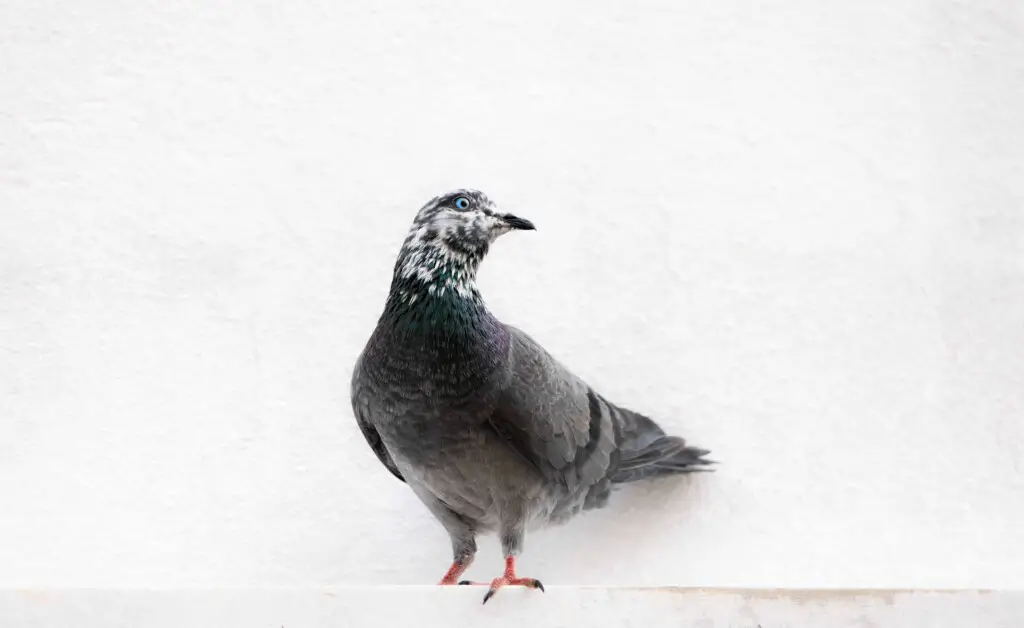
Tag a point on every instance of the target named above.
point(791, 231)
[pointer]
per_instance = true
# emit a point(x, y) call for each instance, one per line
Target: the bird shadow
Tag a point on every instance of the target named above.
point(639, 519)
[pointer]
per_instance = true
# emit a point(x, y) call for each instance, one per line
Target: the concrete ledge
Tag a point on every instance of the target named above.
point(341, 607)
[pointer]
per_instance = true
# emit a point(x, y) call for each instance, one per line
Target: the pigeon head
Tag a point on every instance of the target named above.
point(464, 222)
point(449, 237)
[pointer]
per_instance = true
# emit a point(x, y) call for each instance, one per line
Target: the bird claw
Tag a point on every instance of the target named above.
point(497, 583)
point(508, 579)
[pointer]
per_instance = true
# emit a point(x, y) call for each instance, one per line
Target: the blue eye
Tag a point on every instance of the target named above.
point(462, 203)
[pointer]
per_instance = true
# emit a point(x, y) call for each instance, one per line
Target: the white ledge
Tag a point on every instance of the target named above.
point(341, 607)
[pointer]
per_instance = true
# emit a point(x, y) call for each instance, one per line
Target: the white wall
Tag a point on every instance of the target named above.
point(793, 233)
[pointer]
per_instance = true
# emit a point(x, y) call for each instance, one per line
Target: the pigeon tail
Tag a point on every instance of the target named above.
point(649, 452)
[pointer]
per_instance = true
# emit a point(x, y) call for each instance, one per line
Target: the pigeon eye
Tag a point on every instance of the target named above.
point(462, 203)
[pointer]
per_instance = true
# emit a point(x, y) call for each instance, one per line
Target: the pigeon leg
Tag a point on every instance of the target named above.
point(457, 569)
point(464, 549)
point(513, 535)
point(460, 531)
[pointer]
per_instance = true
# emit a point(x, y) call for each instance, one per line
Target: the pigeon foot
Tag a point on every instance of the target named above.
point(509, 578)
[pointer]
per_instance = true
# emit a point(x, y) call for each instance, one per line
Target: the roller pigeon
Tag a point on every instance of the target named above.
point(492, 433)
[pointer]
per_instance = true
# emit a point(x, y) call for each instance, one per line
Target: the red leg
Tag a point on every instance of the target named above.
point(509, 578)
point(453, 573)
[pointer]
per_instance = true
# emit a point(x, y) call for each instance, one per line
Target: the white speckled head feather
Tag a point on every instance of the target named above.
point(449, 237)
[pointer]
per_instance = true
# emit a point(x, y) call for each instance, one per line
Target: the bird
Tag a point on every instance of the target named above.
point(490, 431)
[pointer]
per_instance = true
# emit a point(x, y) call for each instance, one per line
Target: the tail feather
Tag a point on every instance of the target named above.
point(648, 452)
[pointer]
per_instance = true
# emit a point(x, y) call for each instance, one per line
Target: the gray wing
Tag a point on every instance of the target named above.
point(361, 409)
point(555, 420)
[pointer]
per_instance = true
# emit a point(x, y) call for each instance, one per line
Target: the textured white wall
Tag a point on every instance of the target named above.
point(791, 231)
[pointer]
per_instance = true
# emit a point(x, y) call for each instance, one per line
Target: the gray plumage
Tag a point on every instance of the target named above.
point(489, 430)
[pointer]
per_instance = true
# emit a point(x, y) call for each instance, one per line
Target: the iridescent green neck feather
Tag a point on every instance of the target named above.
point(434, 290)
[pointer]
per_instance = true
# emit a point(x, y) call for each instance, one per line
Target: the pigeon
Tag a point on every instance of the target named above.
point(491, 433)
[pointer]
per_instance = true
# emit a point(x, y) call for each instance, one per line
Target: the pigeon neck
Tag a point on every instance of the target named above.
point(434, 289)
point(434, 313)
point(434, 271)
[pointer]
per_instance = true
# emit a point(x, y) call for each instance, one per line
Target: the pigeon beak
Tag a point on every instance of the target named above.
point(516, 222)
